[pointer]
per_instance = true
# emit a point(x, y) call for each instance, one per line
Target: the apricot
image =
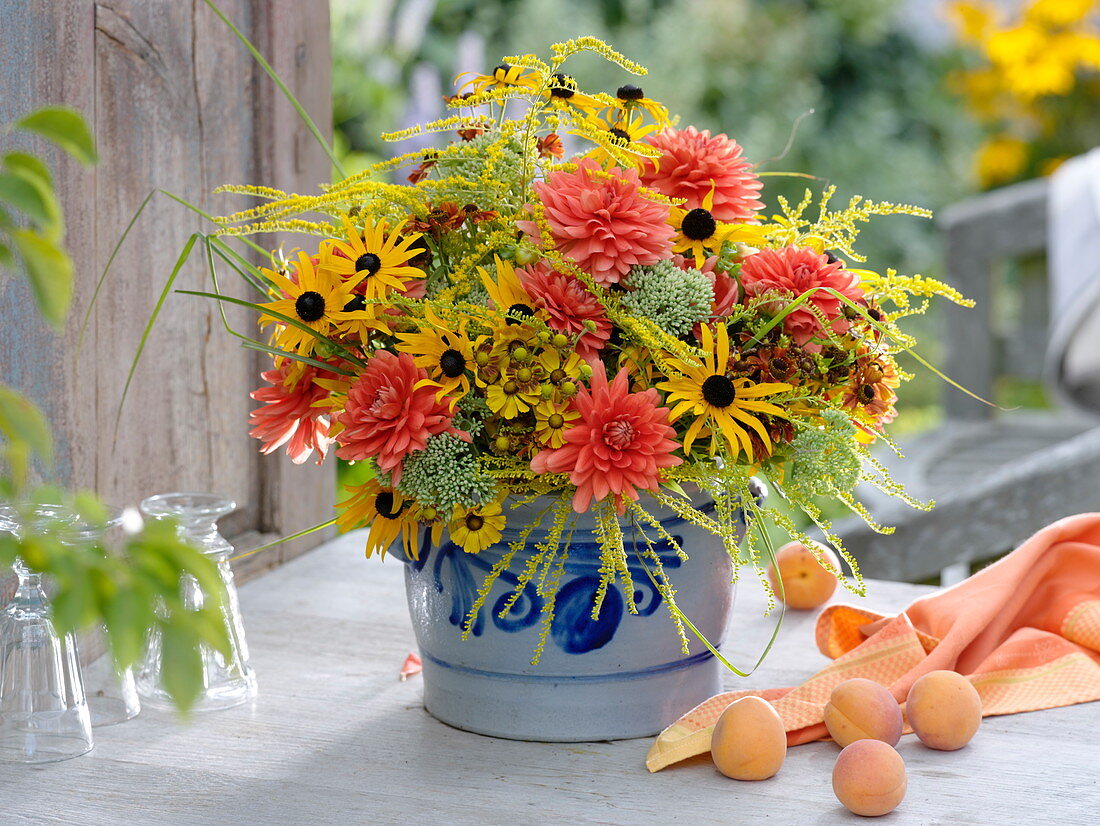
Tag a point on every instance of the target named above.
point(861, 709)
point(749, 742)
point(944, 710)
point(806, 584)
point(869, 778)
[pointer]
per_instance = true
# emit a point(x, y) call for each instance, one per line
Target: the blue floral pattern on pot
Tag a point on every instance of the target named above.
point(619, 675)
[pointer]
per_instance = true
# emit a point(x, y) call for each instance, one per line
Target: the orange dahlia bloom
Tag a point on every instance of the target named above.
point(618, 447)
point(569, 304)
point(387, 415)
point(288, 415)
point(602, 221)
point(792, 271)
point(693, 163)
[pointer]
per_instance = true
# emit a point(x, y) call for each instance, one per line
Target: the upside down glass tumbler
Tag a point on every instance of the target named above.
point(112, 694)
point(44, 714)
point(227, 681)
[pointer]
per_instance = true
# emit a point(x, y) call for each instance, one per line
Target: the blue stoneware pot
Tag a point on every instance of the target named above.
point(622, 675)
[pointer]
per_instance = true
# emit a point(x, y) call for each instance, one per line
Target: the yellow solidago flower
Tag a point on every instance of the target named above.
point(475, 529)
point(386, 511)
point(720, 404)
point(315, 298)
point(377, 258)
point(446, 353)
point(552, 419)
point(699, 233)
point(502, 77)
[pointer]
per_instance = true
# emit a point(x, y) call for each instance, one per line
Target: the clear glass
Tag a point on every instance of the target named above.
point(112, 694)
point(228, 682)
point(44, 715)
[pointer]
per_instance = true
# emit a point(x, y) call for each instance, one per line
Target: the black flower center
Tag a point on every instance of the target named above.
point(357, 304)
point(452, 363)
point(629, 92)
point(699, 224)
point(500, 71)
point(719, 391)
point(874, 313)
point(562, 86)
point(383, 504)
point(368, 261)
point(310, 306)
point(866, 393)
point(831, 257)
point(519, 309)
point(474, 522)
point(557, 376)
point(619, 135)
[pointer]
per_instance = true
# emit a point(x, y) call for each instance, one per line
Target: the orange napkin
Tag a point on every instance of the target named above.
point(1025, 631)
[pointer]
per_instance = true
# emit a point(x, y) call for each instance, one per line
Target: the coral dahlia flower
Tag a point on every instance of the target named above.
point(288, 415)
point(570, 304)
point(618, 447)
point(602, 221)
point(387, 416)
point(792, 271)
point(692, 163)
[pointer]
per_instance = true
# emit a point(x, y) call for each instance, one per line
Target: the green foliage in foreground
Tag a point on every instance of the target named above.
point(130, 587)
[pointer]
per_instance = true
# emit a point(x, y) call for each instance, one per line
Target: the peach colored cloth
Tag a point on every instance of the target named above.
point(1025, 631)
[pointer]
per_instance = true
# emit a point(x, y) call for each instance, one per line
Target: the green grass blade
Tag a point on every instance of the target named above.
point(259, 58)
point(199, 211)
point(252, 344)
point(280, 541)
point(107, 269)
point(184, 255)
point(344, 352)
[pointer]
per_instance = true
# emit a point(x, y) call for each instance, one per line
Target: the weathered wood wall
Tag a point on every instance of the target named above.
point(176, 103)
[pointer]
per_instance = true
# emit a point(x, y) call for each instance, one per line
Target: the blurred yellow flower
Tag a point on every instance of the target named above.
point(1001, 159)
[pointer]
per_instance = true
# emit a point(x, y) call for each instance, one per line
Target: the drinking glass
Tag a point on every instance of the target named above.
point(228, 681)
point(112, 694)
point(44, 714)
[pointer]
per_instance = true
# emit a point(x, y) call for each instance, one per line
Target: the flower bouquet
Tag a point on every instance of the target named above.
point(573, 368)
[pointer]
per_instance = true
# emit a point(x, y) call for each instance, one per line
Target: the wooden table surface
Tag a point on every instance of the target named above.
point(334, 737)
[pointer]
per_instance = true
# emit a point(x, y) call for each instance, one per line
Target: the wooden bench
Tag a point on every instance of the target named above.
point(997, 476)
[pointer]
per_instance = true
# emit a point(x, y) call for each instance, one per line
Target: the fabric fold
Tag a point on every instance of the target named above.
point(1025, 631)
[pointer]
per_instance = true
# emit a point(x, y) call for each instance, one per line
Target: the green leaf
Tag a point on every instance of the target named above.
point(31, 198)
point(22, 422)
point(181, 663)
point(74, 604)
point(50, 272)
point(128, 617)
point(7, 261)
point(28, 165)
point(64, 127)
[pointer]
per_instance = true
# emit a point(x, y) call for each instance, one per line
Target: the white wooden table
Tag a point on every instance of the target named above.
point(335, 738)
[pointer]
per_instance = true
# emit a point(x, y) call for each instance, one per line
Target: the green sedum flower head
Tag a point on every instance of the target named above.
point(825, 460)
point(444, 474)
point(674, 299)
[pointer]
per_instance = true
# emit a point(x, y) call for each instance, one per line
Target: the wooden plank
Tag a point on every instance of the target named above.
point(295, 37)
point(176, 103)
point(335, 738)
